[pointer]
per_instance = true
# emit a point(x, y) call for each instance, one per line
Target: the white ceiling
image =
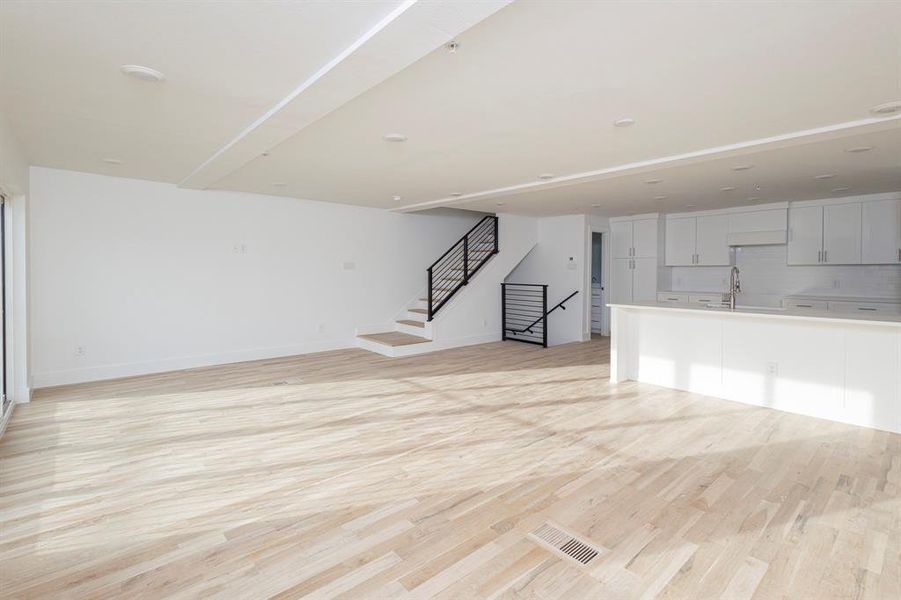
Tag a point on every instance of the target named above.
point(534, 88)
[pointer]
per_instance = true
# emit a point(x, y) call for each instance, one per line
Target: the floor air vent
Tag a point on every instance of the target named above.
point(565, 544)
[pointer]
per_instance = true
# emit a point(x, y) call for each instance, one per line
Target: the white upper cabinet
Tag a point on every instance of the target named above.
point(805, 235)
point(621, 242)
point(644, 238)
point(833, 233)
point(681, 241)
point(841, 234)
point(634, 238)
point(881, 232)
point(697, 241)
point(712, 243)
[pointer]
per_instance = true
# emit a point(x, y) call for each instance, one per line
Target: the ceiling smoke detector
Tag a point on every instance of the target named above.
point(887, 109)
point(142, 73)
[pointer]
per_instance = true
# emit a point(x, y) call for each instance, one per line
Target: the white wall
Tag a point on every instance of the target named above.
point(559, 240)
point(14, 184)
point(147, 277)
point(766, 278)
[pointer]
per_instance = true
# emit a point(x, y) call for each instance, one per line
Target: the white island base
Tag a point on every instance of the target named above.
point(841, 369)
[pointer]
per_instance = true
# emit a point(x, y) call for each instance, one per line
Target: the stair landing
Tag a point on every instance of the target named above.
point(394, 338)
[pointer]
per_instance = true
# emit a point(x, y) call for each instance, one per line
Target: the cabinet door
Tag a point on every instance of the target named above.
point(680, 241)
point(805, 235)
point(621, 283)
point(621, 242)
point(644, 238)
point(881, 232)
point(841, 234)
point(712, 245)
point(644, 280)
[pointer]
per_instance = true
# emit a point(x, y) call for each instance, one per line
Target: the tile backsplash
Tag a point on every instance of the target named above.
point(766, 278)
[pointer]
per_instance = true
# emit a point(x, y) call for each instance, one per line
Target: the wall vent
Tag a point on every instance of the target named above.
point(563, 543)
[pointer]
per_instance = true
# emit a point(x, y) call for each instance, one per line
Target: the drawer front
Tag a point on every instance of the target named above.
point(705, 299)
point(672, 297)
point(792, 304)
point(873, 308)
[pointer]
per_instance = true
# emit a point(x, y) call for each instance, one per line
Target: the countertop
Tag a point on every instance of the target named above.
point(775, 313)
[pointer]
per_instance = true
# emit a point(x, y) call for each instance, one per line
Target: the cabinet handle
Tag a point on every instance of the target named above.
point(899, 254)
point(819, 256)
point(866, 308)
point(803, 306)
point(825, 256)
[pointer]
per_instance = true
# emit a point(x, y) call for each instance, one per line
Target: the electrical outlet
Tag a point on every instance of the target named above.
point(836, 283)
point(80, 351)
point(239, 248)
point(772, 369)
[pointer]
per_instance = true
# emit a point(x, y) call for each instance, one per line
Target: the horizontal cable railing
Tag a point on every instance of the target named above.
point(462, 260)
point(524, 312)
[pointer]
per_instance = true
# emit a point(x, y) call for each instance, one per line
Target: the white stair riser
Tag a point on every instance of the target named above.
point(425, 332)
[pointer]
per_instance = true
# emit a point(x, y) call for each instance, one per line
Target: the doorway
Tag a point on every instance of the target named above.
point(5, 401)
point(598, 295)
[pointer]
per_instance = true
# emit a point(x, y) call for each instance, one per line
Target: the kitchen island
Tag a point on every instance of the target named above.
point(841, 367)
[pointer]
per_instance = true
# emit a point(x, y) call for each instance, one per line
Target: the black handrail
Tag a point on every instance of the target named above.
point(460, 262)
point(465, 235)
point(528, 328)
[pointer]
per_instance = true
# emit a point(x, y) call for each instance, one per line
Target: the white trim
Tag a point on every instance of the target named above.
point(848, 199)
point(102, 372)
point(5, 419)
point(734, 210)
point(783, 140)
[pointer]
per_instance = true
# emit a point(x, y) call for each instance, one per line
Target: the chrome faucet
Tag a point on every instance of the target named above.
point(734, 287)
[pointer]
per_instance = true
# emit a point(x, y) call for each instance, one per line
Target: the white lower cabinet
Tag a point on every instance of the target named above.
point(802, 305)
point(634, 280)
point(873, 308)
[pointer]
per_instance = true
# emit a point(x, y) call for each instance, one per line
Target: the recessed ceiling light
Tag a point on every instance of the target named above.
point(690, 205)
point(857, 149)
point(501, 203)
point(841, 189)
point(394, 137)
point(264, 154)
point(142, 73)
point(452, 46)
point(742, 167)
point(727, 188)
point(396, 198)
point(279, 184)
point(546, 176)
point(456, 194)
point(624, 122)
point(652, 181)
point(824, 176)
point(886, 109)
point(112, 161)
point(659, 197)
point(595, 206)
point(753, 198)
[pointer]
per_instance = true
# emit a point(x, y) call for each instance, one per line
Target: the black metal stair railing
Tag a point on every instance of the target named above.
point(461, 261)
point(524, 312)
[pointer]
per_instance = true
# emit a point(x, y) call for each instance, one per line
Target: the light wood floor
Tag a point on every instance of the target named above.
point(350, 474)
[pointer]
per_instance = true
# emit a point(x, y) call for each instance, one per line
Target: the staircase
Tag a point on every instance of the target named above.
point(445, 278)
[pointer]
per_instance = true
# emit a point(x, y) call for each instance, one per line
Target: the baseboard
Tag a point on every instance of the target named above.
point(103, 372)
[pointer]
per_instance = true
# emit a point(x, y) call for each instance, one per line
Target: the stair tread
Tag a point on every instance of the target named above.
point(394, 338)
point(419, 311)
point(411, 323)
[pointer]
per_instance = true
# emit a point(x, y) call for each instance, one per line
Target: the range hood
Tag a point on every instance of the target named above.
point(774, 237)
